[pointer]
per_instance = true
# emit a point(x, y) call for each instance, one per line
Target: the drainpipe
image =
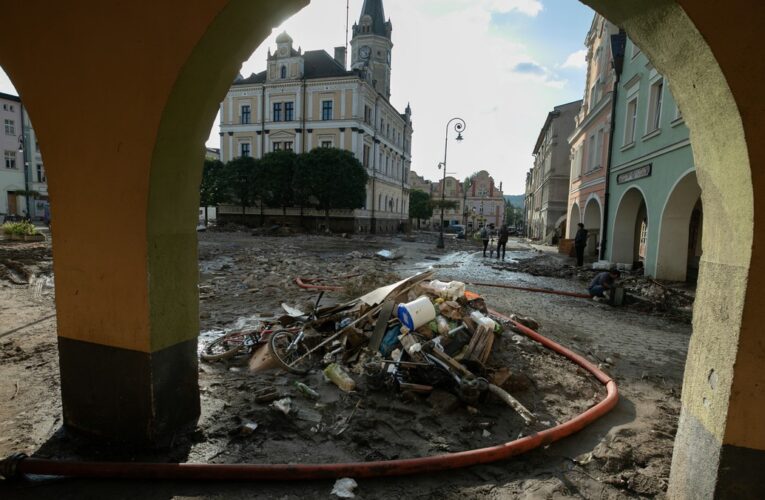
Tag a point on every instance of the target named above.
point(302, 116)
point(373, 221)
point(263, 122)
point(618, 43)
point(24, 156)
point(403, 171)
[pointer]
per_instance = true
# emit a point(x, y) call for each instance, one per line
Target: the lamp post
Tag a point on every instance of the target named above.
point(458, 127)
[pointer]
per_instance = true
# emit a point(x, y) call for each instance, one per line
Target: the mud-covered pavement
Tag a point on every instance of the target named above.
point(625, 454)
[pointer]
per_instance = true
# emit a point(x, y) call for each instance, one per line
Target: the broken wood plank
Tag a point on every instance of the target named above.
point(381, 325)
point(513, 403)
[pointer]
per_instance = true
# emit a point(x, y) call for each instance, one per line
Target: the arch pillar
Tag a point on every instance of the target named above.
point(122, 129)
point(720, 444)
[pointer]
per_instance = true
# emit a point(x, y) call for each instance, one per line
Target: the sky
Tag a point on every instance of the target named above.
point(501, 65)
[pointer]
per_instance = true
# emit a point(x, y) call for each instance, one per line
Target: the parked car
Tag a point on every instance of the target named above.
point(455, 229)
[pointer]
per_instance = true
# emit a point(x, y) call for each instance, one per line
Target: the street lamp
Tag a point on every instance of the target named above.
point(458, 127)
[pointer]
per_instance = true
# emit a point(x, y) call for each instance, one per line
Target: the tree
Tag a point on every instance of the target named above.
point(278, 170)
point(333, 178)
point(212, 190)
point(419, 206)
point(243, 178)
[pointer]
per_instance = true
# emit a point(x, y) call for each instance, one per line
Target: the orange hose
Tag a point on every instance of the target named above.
point(537, 290)
point(21, 465)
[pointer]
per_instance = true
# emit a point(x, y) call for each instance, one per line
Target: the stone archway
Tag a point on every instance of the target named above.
point(129, 296)
point(631, 213)
point(593, 216)
point(675, 224)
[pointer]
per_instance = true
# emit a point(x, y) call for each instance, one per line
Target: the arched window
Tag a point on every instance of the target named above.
point(379, 202)
point(284, 71)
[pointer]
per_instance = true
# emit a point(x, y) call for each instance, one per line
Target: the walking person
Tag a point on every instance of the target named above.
point(580, 241)
point(485, 238)
point(504, 233)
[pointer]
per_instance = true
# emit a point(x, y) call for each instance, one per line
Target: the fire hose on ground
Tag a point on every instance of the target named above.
point(20, 465)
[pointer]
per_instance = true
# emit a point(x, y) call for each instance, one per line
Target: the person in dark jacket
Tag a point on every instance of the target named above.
point(502, 242)
point(602, 282)
point(485, 238)
point(580, 241)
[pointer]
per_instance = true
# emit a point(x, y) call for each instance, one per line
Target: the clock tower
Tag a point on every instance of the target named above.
point(371, 46)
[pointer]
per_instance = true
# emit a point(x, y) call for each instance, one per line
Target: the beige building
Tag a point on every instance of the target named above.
point(547, 184)
point(305, 100)
point(482, 203)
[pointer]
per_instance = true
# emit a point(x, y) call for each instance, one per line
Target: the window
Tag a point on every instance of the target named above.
point(245, 113)
point(387, 130)
point(40, 173)
point(244, 149)
point(283, 73)
point(289, 112)
point(635, 50)
point(367, 114)
point(599, 149)
point(326, 144)
point(10, 127)
point(10, 159)
point(654, 106)
point(591, 153)
point(277, 114)
point(288, 146)
point(326, 110)
point(630, 122)
point(276, 146)
point(365, 156)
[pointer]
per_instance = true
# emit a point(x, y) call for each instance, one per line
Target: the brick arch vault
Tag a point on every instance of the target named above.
point(136, 82)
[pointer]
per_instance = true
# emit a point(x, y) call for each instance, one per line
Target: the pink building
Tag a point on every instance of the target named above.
point(591, 137)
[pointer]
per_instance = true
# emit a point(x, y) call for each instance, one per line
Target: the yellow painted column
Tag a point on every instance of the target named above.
point(122, 96)
point(705, 51)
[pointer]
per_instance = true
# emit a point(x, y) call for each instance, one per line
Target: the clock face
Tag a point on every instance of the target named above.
point(364, 52)
point(282, 51)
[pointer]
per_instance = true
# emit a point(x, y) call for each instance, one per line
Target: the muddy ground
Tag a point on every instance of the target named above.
point(625, 454)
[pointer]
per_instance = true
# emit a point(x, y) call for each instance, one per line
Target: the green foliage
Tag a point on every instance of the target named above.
point(242, 179)
point(212, 191)
point(278, 170)
point(419, 205)
point(330, 178)
point(24, 228)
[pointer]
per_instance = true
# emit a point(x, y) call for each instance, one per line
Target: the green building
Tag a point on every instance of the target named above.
point(654, 203)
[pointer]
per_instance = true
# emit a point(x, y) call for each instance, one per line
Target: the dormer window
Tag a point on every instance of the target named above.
point(284, 72)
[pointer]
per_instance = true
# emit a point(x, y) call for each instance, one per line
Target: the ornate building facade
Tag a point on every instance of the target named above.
point(305, 100)
point(591, 138)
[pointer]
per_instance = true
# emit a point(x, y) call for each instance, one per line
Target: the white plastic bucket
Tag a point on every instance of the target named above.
point(416, 313)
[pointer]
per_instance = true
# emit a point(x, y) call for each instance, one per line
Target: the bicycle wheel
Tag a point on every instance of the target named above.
point(290, 354)
point(224, 347)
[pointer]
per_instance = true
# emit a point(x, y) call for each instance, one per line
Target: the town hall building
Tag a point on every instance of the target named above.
point(304, 100)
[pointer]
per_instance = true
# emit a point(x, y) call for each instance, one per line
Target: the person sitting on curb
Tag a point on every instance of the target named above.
point(602, 282)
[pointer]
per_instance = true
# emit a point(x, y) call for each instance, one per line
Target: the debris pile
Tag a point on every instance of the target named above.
point(418, 336)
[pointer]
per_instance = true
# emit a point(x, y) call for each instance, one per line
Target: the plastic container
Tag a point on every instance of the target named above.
point(483, 320)
point(448, 291)
point(416, 313)
point(443, 325)
point(338, 376)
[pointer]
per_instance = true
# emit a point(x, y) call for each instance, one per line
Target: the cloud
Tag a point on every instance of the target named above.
point(529, 7)
point(576, 60)
point(530, 68)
